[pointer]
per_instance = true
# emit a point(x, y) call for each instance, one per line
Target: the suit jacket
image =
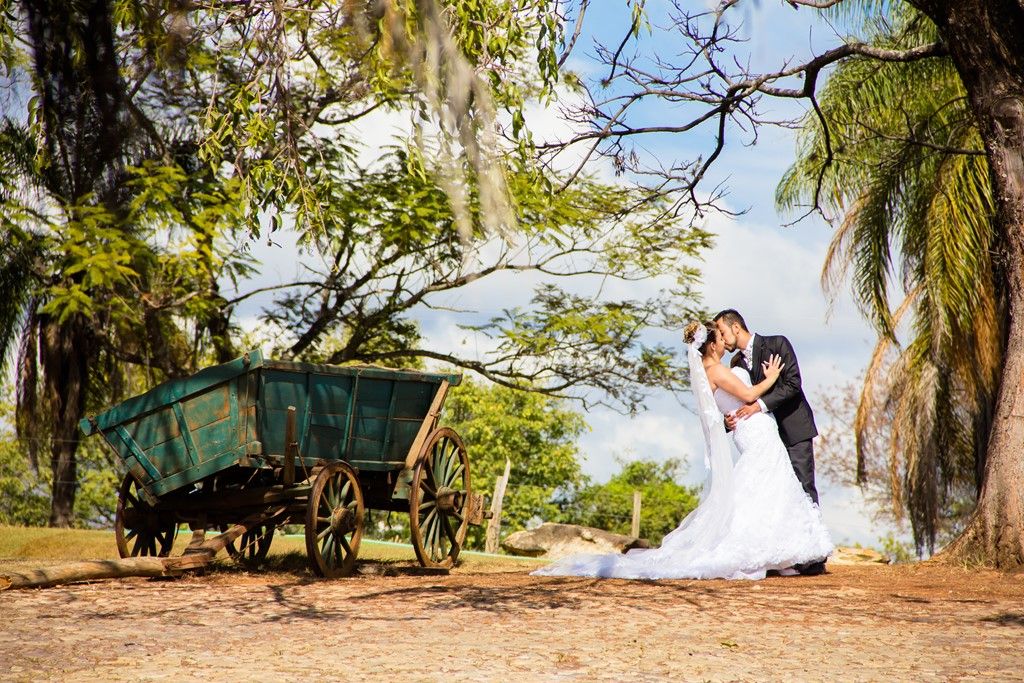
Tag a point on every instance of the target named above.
point(786, 398)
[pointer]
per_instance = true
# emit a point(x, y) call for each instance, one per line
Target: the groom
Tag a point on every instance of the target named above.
point(785, 400)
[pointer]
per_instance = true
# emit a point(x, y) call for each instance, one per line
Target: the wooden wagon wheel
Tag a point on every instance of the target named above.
point(437, 503)
point(252, 547)
point(138, 528)
point(334, 521)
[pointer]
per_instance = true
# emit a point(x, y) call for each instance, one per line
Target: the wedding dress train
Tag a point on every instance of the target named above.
point(752, 517)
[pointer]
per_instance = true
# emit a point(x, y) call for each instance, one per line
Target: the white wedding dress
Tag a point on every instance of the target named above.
point(753, 517)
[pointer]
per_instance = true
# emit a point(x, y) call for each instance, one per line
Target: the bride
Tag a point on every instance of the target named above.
point(753, 516)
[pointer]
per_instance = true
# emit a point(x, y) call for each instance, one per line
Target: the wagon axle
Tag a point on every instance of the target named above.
point(343, 521)
point(449, 500)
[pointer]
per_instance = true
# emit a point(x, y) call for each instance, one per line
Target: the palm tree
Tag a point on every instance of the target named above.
point(908, 182)
point(62, 228)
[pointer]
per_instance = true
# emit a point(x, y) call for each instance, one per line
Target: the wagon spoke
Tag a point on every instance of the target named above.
point(320, 536)
point(429, 479)
point(428, 534)
point(448, 530)
point(446, 446)
point(428, 538)
point(438, 466)
point(337, 550)
point(445, 462)
point(159, 542)
point(331, 494)
point(345, 545)
point(327, 545)
point(453, 451)
point(439, 540)
point(442, 471)
point(455, 475)
point(427, 504)
point(344, 491)
point(442, 467)
point(429, 518)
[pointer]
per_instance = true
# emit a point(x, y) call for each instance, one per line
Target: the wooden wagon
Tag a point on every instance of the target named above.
point(263, 443)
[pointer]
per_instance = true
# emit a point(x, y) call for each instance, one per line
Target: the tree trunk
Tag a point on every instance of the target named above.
point(986, 41)
point(67, 351)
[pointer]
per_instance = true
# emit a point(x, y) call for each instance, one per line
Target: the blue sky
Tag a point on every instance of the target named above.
point(767, 271)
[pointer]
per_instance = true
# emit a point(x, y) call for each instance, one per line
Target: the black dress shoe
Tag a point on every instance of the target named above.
point(812, 568)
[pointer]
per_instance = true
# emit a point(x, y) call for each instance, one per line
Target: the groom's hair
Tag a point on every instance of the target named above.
point(730, 316)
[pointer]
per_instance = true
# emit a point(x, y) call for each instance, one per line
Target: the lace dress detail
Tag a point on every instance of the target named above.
point(768, 521)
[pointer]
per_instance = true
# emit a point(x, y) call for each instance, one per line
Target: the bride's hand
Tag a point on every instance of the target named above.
point(773, 367)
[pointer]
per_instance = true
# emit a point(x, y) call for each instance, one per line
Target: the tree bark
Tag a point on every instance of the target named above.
point(67, 351)
point(986, 42)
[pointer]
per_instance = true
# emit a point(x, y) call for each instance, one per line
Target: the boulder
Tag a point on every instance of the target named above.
point(552, 541)
point(843, 555)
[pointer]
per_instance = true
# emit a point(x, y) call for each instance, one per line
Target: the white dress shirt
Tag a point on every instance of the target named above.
point(748, 358)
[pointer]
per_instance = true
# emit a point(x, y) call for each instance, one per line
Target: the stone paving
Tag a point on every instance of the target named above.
point(856, 623)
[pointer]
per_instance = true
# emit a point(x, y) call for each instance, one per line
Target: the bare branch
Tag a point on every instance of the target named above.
point(575, 33)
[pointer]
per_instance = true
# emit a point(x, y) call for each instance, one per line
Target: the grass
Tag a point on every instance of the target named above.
point(287, 553)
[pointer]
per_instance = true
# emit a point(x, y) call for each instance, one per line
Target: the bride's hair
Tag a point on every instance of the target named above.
point(690, 333)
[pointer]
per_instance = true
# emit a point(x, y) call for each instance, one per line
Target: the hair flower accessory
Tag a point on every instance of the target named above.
point(699, 337)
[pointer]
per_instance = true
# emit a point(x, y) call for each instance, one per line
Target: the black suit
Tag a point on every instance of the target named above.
point(787, 402)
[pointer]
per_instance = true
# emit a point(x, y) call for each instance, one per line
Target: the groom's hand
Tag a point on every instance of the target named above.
point(748, 410)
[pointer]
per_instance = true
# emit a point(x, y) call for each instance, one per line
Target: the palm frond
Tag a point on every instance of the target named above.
point(913, 198)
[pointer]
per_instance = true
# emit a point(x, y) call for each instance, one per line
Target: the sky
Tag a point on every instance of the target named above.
point(769, 272)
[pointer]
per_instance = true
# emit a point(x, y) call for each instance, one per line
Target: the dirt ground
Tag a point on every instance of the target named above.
point(856, 623)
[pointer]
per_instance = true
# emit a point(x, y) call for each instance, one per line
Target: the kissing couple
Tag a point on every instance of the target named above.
point(759, 514)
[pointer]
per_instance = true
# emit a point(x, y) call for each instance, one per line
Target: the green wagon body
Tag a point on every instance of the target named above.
point(186, 430)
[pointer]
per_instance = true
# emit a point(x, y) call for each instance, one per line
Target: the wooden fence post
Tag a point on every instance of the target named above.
point(494, 524)
point(634, 529)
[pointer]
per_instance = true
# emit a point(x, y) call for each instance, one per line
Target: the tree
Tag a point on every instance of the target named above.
point(910, 179)
point(846, 459)
point(87, 285)
point(609, 506)
point(26, 492)
point(83, 141)
point(146, 140)
point(537, 433)
point(454, 204)
point(713, 86)
point(388, 248)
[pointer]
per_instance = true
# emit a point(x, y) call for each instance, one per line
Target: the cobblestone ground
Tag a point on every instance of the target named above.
point(912, 623)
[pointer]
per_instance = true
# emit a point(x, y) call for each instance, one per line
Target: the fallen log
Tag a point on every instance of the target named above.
point(199, 553)
point(91, 570)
